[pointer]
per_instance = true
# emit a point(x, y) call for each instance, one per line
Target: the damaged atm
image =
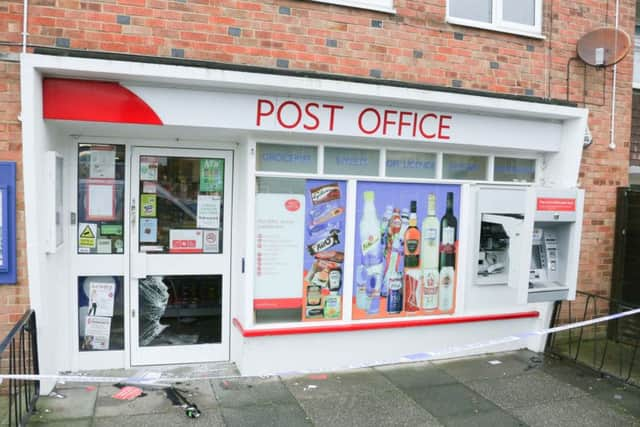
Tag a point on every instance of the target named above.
point(527, 242)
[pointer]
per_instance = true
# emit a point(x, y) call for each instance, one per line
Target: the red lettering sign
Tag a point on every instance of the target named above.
point(311, 116)
point(556, 204)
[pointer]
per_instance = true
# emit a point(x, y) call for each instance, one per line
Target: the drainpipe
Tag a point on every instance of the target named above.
point(612, 143)
point(25, 12)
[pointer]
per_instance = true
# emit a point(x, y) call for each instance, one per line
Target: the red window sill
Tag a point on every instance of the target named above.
point(364, 326)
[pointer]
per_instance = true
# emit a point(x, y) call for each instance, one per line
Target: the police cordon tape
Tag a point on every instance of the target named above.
point(156, 379)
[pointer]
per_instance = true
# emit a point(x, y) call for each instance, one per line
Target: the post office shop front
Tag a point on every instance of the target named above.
point(181, 215)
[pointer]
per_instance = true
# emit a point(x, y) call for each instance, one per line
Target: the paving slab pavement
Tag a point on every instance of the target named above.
point(504, 389)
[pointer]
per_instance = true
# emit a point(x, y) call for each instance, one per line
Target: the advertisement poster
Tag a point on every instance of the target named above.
point(208, 215)
point(325, 203)
point(185, 241)
point(405, 249)
point(96, 333)
point(101, 296)
point(148, 205)
point(148, 230)
point(211, 175)
point(279, 247)
point(148, 168)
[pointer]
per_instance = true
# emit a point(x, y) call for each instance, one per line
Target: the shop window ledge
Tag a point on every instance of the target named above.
point(363, 326)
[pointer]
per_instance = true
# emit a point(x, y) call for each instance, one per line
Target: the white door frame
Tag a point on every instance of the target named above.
point(148, 264)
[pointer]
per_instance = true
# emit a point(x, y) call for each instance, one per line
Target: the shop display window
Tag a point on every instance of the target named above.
point(456, 166)
point(286, 158)
point(514, 170)
point(405, 249)
point(100, 313)
point(181, 204)
point(407, 164)
point(402, 253)
point(300, 233)
point(101, 172)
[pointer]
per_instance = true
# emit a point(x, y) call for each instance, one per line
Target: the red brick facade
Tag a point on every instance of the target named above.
point(635, 130)
point(415, 45)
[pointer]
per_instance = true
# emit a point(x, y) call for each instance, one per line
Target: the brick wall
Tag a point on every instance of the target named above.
point(415, 45)
point(635, 130)
point(14, 300)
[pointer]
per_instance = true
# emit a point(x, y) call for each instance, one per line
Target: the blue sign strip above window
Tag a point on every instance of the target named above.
point(8, 227)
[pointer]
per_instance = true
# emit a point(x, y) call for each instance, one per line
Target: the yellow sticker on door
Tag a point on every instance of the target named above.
point(87, 235)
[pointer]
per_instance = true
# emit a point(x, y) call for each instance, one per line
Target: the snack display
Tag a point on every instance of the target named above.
point(324, 242)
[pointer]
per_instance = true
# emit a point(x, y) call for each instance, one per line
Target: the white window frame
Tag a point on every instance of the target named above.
point(377, 5)
point(498, 24)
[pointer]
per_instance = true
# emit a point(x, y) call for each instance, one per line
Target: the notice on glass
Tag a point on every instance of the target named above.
point(148, 230)
point(211, 175)
point(87, 235)
point(148, 205)
point(104, 246)
point(211, 241)
point(101, 296)
point(148, 168)
point(279, 245)
point(185, 241)
point(101, 203)
point(96, 333)
point(149, 187)
point(103, 163)
point(208, 211)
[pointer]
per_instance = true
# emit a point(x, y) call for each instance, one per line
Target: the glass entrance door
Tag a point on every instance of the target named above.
point(180, 255)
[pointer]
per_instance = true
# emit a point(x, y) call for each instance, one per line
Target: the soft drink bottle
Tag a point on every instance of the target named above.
point(371, 250)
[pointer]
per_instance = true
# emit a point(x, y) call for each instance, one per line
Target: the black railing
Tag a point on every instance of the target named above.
point(611, 347)
point(19, 356)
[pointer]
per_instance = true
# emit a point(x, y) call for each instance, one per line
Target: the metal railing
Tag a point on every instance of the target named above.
point(611, 348)
point(19, 356)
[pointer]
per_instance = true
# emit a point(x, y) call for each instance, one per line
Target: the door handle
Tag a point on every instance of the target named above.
point(133, 211)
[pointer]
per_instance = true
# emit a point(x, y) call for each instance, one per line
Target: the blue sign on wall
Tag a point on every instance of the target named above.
point(8, 226)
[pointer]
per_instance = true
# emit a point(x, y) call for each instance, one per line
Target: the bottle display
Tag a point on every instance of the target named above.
point(405, 249)
point(430, 255)
point(412, 276)
point(371, 250)
point(448, 237)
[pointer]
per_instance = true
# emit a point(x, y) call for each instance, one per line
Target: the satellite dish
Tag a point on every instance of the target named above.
point(604, 46)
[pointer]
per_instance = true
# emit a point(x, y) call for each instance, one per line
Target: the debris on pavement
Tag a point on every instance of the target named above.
point(127, 393)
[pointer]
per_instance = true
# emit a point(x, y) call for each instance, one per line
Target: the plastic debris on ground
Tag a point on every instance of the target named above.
point(57, 395)
point(127, 393)
point(495, 362)
point(154, 297)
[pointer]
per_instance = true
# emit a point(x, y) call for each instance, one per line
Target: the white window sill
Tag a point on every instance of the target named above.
point(491, 27)
point(361, 4)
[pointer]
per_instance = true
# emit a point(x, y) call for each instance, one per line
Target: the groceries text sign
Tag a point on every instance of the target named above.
point(353, 119)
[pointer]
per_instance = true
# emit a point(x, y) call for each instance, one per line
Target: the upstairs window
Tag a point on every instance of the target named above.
point(378, 5)
point(514, 16)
